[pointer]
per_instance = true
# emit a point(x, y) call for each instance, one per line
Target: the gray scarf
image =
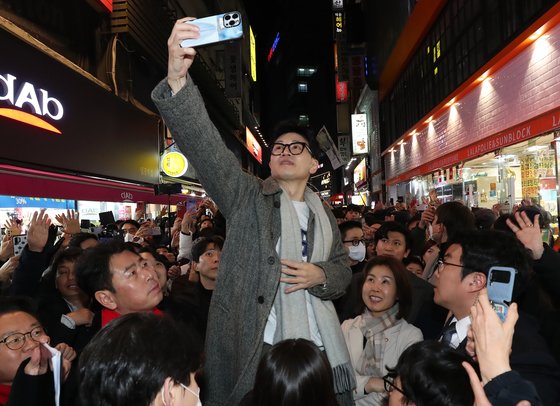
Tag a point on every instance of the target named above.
point(370, 362)
point(291, 309)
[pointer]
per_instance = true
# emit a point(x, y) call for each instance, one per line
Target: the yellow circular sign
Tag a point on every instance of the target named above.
point(174, 164)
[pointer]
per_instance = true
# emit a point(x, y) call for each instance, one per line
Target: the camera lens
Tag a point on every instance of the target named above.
point(236, 16)
point(227, 17)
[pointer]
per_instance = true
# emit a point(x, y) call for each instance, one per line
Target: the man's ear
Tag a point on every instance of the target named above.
point(106, 298)
point(406, 253)
point(477, 282)
point(314, 166)
point(193, 266)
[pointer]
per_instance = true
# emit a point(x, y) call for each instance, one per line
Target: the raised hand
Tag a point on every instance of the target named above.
point(528, 232)
point(7, 248)
point(70, 222)
point(12, 227)
point(180, 59)
point(38, 232)
point(7, 270)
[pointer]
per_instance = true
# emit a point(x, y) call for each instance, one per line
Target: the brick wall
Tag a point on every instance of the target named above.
point(527, 86)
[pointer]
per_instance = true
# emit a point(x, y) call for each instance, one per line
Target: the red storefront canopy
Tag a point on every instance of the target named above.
point(16, 181)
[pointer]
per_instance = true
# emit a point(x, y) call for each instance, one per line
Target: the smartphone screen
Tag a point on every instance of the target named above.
point(216, 28)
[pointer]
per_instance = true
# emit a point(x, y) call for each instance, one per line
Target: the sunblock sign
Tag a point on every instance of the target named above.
point(16, 97)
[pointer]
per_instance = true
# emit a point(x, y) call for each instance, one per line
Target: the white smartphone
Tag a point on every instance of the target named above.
point(20, 241)
point(500, 288)
point(216, 28)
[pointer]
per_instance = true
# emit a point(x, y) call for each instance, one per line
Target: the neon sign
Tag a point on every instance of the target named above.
point(40, 103)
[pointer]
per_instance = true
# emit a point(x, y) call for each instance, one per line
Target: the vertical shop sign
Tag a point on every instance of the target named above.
point(360, 143)
point(232, 70)
point(344, 148)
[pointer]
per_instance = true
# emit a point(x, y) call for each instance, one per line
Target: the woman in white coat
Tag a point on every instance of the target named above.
point(380, 334)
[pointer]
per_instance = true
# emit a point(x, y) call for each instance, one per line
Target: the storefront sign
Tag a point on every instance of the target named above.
point(514, 135)
point(360, 174)
point(174, 164)
point(360, 143)
point(253, 145)
point(24, 96)
point(98, 133)
point(37, 202)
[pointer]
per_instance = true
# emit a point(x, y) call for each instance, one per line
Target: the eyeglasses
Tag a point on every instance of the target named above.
point(355, 242)
point(17, 340)
point(389, 384)
point(441, 263)
point(295, 148)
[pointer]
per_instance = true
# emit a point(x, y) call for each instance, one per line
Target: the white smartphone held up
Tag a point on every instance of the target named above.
point(500, 288)
point(216, 28)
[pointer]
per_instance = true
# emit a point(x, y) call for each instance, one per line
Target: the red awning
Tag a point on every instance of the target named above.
point(16, 181)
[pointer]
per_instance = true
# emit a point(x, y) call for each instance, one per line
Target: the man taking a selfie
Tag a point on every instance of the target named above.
point(283, 261)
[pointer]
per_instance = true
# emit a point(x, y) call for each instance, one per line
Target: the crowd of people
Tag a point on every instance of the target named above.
point(266, 295)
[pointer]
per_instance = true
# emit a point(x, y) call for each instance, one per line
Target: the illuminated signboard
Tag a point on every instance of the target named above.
point(273, 47)
point(103, 6)
point(338, 22)
point(174, 164)
point(360, 174)
point(252, 50)
point(252, 145)
point(24, 96)
point(341, 91)
point(337, 4)
point(359, 134)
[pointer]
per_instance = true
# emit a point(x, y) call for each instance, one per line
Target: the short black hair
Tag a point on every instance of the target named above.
point(12, 304)
point(371, 218)
point(413, 259)
point(294, 372)
point(396, 227)
point(200, 245)
point(404, 289)
point(133, 222)
point(292, 126)
point(484, 249)
point(456, 217)
point(93, 270)
point(348, 225)
point(484, 218)
point(68, 254)
point(432, 374)
point(127, 362)
point(79, 238)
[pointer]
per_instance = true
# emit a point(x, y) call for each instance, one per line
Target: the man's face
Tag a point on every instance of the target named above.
point(208, 263)
point(10, 360)
point(394, 245)
point(450, 289)
point(66, 282)
point(353, 215)
point(206, 224)
point(135, 283)
point(129, 228)
point(415, 268)
point(159, 268)
point(289, 167)
point(165, 252)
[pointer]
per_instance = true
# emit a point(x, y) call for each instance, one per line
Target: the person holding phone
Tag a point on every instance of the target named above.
point(283, 261)
point(462, 275)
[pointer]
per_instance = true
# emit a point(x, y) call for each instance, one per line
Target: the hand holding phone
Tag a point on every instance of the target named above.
point(216, 28)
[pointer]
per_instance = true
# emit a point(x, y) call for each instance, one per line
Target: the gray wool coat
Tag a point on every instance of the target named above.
point(249, 271)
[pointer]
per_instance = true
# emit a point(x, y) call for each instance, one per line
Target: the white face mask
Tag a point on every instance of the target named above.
point(197, 394)
point(357, 253)
point(131, 238)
